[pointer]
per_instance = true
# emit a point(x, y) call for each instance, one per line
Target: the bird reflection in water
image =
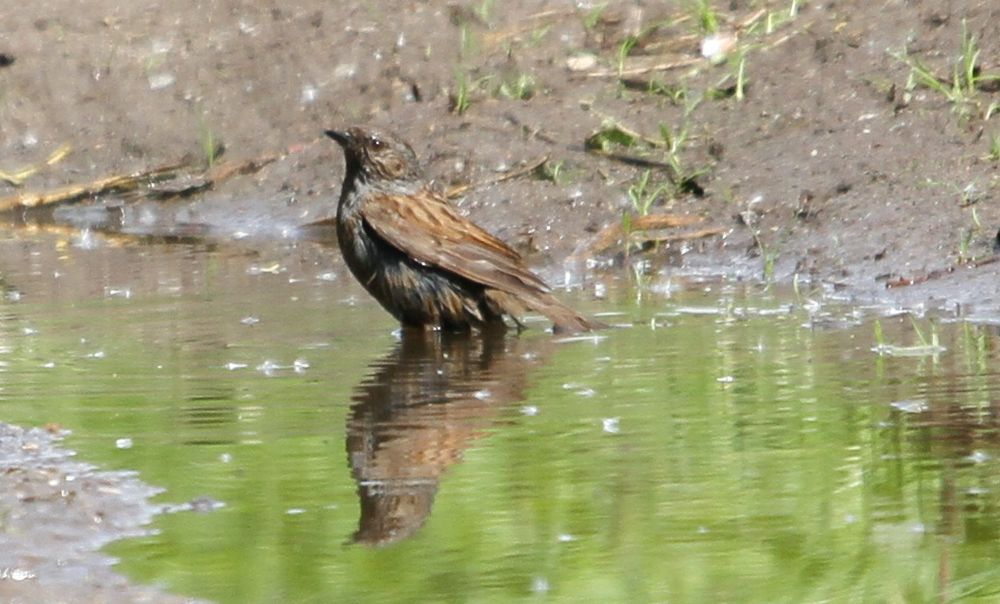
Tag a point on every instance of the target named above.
point(414, 416)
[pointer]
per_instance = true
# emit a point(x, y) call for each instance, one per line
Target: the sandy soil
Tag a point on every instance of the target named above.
point(831, 169)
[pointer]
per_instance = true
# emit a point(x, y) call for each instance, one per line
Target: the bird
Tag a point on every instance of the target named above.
point(419, 257)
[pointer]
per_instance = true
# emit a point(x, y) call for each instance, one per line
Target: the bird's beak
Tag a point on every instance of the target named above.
point(344, 139)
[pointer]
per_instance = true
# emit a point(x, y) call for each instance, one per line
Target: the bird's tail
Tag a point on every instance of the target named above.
point(564, 319)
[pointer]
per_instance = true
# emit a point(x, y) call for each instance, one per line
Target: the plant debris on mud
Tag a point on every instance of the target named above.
point(849, 146)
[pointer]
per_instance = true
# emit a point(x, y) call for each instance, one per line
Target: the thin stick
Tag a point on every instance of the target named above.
point(644, 70)
point(73, 193)
point(459, 190)
point(700, 234)
point(612, 233)
point(17, 178)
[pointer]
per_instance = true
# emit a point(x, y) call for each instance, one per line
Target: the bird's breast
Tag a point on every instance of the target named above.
point(355, 244)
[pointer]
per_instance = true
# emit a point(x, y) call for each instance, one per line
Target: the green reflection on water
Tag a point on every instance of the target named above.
point(736, 455)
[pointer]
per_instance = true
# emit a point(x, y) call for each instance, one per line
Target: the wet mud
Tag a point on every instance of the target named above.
point(56, 513)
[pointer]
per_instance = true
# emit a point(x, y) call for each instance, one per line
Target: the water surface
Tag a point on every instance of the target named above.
point(732, 445)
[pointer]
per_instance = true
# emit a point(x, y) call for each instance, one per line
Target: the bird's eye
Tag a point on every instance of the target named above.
point(376, 142)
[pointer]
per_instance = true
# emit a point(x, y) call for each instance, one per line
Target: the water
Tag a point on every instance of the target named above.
point(732, 446)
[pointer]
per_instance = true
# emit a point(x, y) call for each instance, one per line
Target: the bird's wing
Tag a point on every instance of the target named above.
point(431, 231)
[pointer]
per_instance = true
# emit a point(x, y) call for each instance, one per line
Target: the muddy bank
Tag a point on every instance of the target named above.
point(823, 152)
point(56, 513)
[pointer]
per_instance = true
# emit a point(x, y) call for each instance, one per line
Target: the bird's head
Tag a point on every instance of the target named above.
point(376, 156)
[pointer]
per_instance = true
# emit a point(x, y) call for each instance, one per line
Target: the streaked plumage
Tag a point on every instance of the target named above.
point(423, 261)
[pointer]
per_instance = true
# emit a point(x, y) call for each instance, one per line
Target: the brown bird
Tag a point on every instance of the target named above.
point(423, 261)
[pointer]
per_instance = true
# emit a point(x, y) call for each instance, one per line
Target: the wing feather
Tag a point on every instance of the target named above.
point(431, 231)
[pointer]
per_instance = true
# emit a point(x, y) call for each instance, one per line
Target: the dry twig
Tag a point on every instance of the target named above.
point(459, 190)
point(134, 183)
point(614, 233)
point(17, 178)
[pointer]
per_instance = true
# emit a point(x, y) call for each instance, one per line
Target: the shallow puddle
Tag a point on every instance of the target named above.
point(730, 446)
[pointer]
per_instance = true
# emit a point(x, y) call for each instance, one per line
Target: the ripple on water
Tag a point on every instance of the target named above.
point(723, 443)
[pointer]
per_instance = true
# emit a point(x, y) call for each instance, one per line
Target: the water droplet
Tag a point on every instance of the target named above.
point(911, 406)
point(268, 367)
point(20, 574)
point(118, 292)
point(978, 457)
point(539, 585)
